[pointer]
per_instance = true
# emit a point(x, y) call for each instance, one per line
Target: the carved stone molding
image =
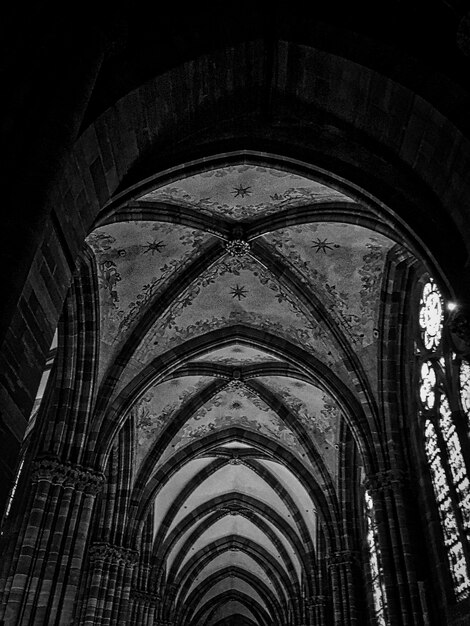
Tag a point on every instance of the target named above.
point(157, 574)
point(235, 459)
point(315, 601)
point(386, 479)
point(342, 557)
point(171, 590)
point(107, 553)
point(146, 597)
point(68, 475)
point(235, 384)
point(237, 247)
point(233, 509)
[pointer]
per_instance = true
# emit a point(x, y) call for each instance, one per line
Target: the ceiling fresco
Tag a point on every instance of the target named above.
point(237, 406)
point(135, 260)
point(158, 405)
point(239, 291)
point(344, 263)
point(234, 289)
point(258, 430)
point(237, 354)
point(317, 411)
point(241, 192)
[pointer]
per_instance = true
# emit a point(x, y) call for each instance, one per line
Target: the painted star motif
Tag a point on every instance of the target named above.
point(241, 191)
point(322, 245)
point(154, 246)
point(238, 292)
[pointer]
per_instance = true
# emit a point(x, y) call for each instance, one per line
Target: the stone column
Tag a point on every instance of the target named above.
point(341, 565)
point(396, 546)
point(168, 604)
point(316, 610)
point(294, 610)
point(42, 582)
point(144, 607)
point(107, 601)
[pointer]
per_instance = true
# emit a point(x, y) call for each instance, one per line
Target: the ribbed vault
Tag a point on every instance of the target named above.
point(226, 218)
point(240, 318)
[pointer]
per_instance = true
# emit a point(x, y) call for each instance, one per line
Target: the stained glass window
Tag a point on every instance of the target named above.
point(431, 315)
point(42, 385)
point(465, 386)
point(12, 494)
point(441, 441)
point(378, 588)
point(456, 462)
point(453, 544)
point(427, 385)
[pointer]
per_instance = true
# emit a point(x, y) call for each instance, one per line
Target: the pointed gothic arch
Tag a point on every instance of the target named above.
point(279, 103)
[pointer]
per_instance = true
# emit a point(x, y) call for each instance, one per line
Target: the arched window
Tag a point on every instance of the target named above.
point(465, 388)
point(12, 494)
point(438, 406)
point(42, 385)
point(375, 563)
point(30, 426)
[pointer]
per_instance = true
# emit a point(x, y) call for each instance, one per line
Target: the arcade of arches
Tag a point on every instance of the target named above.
point(235, 362)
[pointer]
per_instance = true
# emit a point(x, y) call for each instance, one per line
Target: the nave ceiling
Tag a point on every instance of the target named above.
point(240, 330)
point(228, 430)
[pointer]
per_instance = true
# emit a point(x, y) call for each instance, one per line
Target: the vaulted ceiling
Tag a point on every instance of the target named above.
point(239, 334)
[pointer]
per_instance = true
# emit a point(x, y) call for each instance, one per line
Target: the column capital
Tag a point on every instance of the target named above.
point(171, 589)
point(146, 596)
point(106, 552)
point(386, 479)
point(68, 475)
point(342, 557)
point(314, 601)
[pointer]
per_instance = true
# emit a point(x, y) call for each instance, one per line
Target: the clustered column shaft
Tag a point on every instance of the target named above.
point(145, 596)
point(45, 560)
point(110, 583)
point(316, 610)
point(396, 547)
point(341, 565)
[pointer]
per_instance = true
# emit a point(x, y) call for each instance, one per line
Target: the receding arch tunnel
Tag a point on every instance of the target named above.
point(250, 244)
point(240, 313)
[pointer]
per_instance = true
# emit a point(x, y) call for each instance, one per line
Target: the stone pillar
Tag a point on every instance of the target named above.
point(41, 585)
point(341, 565)
point(107, 601)
point(396, 546)
point(166, 613)
point(317, 610)
point(294, 613)
point(144, 607)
